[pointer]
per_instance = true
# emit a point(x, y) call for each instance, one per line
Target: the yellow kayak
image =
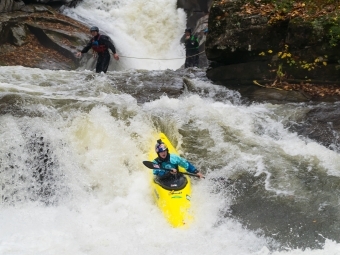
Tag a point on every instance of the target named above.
point(172, 197)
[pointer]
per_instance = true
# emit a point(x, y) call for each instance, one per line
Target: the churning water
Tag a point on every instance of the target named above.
point(146, 34)
point(72, 180)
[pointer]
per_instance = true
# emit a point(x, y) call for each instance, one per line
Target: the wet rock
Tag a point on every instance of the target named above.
point(194, 5)
point(46, 1)
point(35, 8)
point(73, 3)
point(38, 31)
point(240, 41)
point(10, 5)
point(19, 34)
point(320, 123)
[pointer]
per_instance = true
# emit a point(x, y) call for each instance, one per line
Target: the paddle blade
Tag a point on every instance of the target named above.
point(148, 164)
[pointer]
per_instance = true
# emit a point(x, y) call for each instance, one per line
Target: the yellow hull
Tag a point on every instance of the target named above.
point(174, 204)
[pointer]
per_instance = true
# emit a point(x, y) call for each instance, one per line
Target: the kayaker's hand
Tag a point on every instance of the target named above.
point(200, 175)
point(78, 54)
point(173, 171)
point(156, 166)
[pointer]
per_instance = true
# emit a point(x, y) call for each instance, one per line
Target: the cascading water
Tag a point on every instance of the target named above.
point(146, 34)
point(72, 179)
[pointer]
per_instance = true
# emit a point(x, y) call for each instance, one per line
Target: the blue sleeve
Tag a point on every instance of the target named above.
point(191, 168)
point(176, 160)
point(157, 171)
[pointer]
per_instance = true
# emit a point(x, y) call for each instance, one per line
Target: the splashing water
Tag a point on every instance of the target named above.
point(146, 31)
point(72, 179)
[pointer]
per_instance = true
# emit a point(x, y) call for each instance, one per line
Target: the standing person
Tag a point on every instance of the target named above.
point(100, 44)
point(191, 48)
point(166, 160)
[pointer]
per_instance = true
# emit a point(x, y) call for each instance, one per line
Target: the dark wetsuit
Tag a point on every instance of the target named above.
point(191, 47)
point(101, 44)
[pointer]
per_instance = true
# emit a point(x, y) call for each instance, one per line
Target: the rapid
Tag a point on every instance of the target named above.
point(146, 34)
point(73, 142)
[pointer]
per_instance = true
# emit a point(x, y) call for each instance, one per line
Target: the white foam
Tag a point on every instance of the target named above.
point(144, 32)
point(100, 144)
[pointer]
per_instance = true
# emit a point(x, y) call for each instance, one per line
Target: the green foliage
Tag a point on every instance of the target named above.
point(283, 6)
point(328, 25)
point(334, 33)
point(284, 59)
point(287, 5)
point(324, 15)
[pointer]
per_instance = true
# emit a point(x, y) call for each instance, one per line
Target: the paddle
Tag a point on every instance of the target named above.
point(149, 164)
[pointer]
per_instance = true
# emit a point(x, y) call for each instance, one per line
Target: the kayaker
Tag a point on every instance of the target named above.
point(166, 160)
point(101, 45)
point(191, 47)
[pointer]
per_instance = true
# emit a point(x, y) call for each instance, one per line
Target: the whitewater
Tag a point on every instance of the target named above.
point(146, 34)
point(73, 142)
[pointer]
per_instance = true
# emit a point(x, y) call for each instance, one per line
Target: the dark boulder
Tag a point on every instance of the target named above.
point(247, 47)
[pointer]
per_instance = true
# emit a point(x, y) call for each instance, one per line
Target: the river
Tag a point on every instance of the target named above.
point(73, 182)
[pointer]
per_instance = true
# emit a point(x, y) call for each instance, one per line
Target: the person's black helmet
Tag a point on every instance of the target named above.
point(188, 30)
point(94, 29)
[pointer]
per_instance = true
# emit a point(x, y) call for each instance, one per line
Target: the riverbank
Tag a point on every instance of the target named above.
point(40, 37)
point(281, 45)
